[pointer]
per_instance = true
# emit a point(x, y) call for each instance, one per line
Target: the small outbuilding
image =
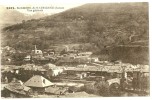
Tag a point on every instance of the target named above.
point(56, 90)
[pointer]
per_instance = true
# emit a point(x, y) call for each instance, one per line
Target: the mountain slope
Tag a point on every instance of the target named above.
point(100, 24)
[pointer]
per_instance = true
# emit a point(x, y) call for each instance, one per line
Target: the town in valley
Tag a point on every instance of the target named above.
point(94, 50)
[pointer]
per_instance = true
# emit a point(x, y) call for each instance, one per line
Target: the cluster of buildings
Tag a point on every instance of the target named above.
point(69, 65)
point(109, 70)
point(37, 80)
point(59, 55)
point(81, 71)
point(6, 53)
point(24, 72)
point(33, 87)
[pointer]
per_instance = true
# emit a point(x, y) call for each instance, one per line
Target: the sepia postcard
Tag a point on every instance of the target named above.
point(75, 50)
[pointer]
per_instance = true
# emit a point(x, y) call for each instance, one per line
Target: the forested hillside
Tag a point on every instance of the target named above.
point(101, 25)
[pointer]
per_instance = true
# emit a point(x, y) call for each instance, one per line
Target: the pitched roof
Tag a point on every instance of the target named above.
point(142, 68)
point(49, 66)
point(17, 87)
point(114, 68)
point(38, 81)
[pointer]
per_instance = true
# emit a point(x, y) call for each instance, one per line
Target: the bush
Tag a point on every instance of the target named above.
point(102, 88)
point(99, 88)
point(89, 88)
point(76, 89)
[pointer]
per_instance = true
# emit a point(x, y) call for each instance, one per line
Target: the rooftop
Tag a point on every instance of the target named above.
point(38, 81)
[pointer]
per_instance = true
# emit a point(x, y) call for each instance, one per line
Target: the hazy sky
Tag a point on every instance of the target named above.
point(60, 7)
point(43, 4)
point(53, 3)
point(66, 4)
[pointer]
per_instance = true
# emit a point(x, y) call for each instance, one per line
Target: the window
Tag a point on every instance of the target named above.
point(44, 81)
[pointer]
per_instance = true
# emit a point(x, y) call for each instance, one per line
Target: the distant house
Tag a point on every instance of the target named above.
point(72, 51)
point(52, 70)
point(48, 53)
point(27, 58)
point(82, 66)
point(82, 59)
point(94, 59)
point(38, 83)
point(49, 66)
point(56, 71)
point(82, 71)
point(85, 53)
point(8, 49)
point(144, 69)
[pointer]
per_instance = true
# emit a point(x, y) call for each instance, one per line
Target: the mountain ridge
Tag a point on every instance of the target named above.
point(101, 24)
